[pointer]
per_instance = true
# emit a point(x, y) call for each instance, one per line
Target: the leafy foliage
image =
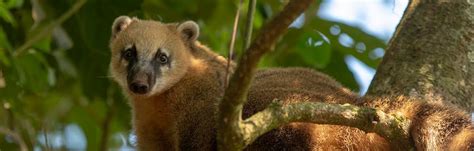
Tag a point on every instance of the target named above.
point(62, 79)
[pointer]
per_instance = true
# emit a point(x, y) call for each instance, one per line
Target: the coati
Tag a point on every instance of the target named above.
point(175, 84)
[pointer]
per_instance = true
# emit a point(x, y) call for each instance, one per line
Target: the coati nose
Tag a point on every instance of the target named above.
point(141, 78)
point(140, 88)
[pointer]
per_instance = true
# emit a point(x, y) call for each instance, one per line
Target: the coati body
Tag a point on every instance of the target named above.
point(175, 85)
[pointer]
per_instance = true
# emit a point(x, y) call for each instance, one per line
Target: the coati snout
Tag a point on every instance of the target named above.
point(141, 79)
point(139, 72)
point(142, 72)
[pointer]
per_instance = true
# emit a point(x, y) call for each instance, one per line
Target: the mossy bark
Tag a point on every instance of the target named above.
point(431, 55)
point(393, 128)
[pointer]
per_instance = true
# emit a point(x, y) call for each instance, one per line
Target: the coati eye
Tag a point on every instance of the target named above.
point(163, 58)
point(129, 53)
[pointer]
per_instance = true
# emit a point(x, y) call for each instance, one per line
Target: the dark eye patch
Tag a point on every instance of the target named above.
point(161, 58)
point(130, 54)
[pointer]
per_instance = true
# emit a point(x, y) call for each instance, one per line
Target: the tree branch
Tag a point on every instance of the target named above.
point(111, 109)
point(48, 29)
point(104, 139)
point(393, 128)
point(232, 42)
point(16, 137)
point(229, 131)
point(249, 24)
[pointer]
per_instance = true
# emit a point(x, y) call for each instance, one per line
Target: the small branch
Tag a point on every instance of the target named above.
point(9, 130)
point(10, 116)
point(47, 146)
point(48, 29)
point(394, 129)
point(16, 137)
point(266, 38)
point(249, 24)
point(104, 139)
point(232, 43)
point(229, 132)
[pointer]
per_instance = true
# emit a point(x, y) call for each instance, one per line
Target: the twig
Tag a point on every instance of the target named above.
point(107, 120)
point(249, 24)
point(266, 38)
point(106, 128)
point(232, 43)
point(10, 115)
point(48, 29)
point(16, 137)
point(46, 139)
point(11, 125)
point(229, 132)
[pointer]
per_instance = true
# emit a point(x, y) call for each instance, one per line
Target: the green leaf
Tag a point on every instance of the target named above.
point(339, 70)
point(3, 57)
point(33, 71)
point(4, 43)
point(14, 3)
point(5, 14)
point(4, 47)
point(43, 44)
point(314, 49)
point(371, 42)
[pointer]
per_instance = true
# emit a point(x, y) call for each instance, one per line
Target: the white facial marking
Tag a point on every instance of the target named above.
point(165, 51)
point(128, 46)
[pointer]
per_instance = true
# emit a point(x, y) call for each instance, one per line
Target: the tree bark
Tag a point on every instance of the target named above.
point(391, 127)
point(431, 55)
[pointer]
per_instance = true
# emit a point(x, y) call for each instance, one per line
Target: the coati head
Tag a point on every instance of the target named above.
point(149, 57)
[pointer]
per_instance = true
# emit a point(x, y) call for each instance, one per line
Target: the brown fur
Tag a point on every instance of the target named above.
point(179, 113)
point(292, 85)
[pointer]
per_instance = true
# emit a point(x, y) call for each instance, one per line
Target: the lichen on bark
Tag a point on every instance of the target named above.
point(430, 56)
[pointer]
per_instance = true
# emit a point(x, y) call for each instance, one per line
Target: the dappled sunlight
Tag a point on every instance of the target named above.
point(360, 47)
point(377, 53)
point(378, 17)
point(363, 74)
point(72, 138)
point(346, 40)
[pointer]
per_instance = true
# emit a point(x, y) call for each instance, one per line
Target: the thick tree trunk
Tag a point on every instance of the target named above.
point(431, 55)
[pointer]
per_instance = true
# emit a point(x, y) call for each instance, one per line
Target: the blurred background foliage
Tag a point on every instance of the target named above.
point(55, 92)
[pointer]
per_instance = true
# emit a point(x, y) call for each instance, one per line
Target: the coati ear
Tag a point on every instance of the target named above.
point(189, 30)
point(120, 24)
